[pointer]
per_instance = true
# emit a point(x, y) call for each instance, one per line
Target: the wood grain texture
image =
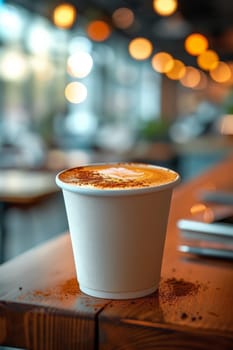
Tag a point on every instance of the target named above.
point(148, 336)
point(35, 327)
point(41, 306)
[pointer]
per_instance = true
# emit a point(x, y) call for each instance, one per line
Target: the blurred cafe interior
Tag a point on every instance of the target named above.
point(85, 81)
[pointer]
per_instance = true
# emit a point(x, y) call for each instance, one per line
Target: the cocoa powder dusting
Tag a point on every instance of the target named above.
point(61, 292)
point(172, 289)
point(85, 177)
point(69, 287)
point(92, 176)
point(169, 291)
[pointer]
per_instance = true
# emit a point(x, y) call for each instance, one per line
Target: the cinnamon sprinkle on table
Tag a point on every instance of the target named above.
point(172, 289)
point(62, 291)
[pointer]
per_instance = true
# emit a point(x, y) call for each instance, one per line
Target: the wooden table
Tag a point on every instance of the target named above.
point(41, 306)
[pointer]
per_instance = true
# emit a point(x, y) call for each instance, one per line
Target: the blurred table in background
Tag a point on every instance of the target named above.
point(189, 158)
point(22, 188)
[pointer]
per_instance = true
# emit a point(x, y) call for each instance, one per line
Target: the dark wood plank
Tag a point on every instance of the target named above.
point(193, 307)
point(41, 306)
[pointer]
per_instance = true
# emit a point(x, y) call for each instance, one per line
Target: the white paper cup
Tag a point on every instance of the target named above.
point(117, 237)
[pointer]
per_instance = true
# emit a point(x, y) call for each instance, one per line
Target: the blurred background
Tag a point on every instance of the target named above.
point(96, 80)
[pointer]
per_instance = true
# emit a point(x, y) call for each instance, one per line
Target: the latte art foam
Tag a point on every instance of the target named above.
point(118, 176)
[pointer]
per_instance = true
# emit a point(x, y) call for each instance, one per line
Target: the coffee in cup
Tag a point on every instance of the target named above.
point(117, 215)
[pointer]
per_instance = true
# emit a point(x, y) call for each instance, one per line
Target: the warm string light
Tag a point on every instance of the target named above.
point(222, 73)
point(123, 17)
point(140, 48)
point(191, 77)
point(208, 60)
point(162, 62)
point(226, 124)
point(177, 71)
point(165, 7)
point(195, 44)
point(188, 76)
point(230, 81)
point(76, 92)
point(202, 83)
point(64, 15)
point(98, 30)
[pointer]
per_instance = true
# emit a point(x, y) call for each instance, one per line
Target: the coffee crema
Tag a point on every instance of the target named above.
point(118, 176)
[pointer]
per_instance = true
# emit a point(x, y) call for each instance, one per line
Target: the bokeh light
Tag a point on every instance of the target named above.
point(98, 30)
point(162, 62)
point(79, 64)
point(177, 71)
point(76, 92)
point(230, 65)
point(64, 15)
point(203, 212)
point(165, 7)
point(226, 124)
point(222, 73)
point(14, 66)
point(191, 77)
point(11, 23)
point(39, 38)
point(197, 208)
point(140, 48)
point(195, 44)
point(123, 17)
point(203, 81)
point(208, 60)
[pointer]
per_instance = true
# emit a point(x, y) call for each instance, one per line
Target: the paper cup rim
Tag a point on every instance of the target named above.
point(116, 192)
